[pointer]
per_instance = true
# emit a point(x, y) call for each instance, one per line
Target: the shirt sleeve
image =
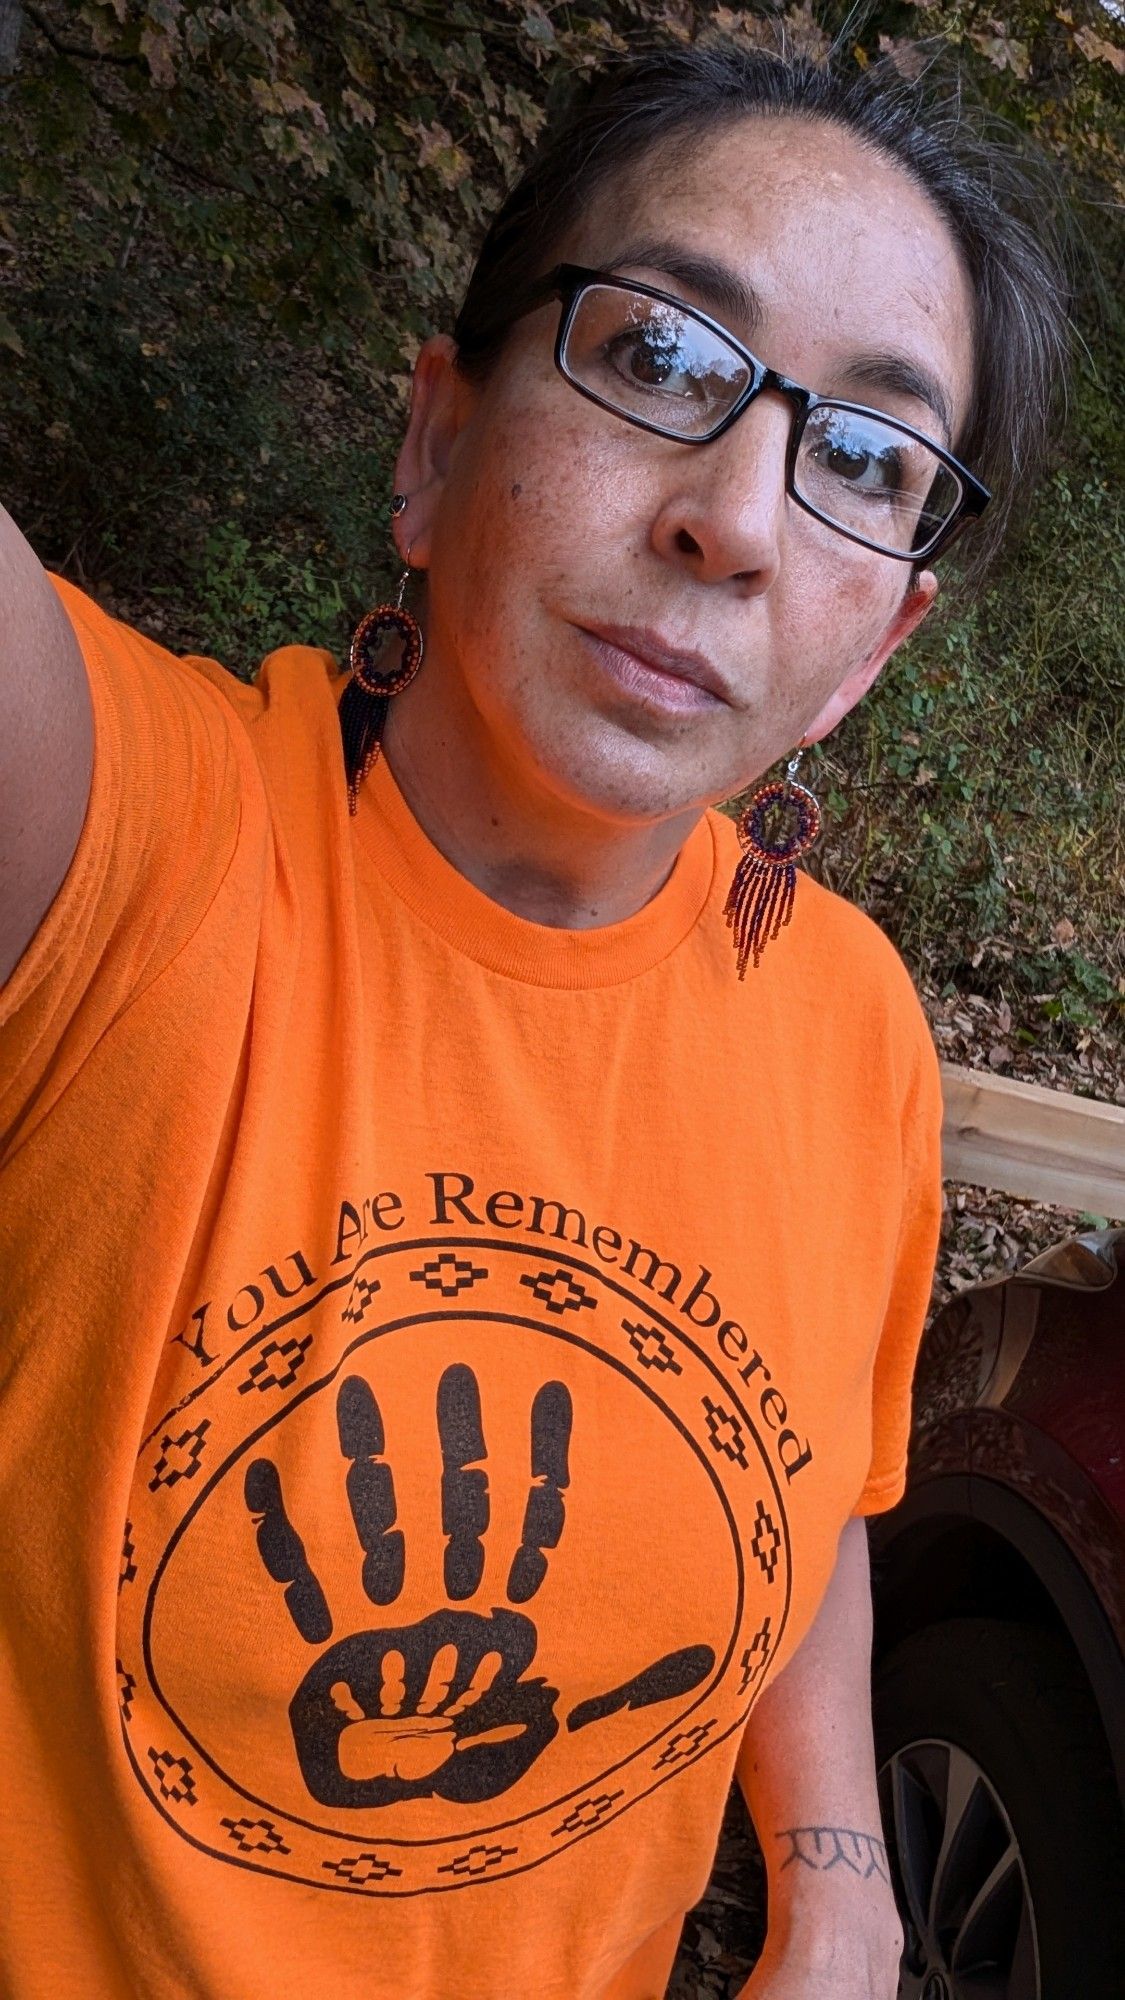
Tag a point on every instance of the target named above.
point(911, 1280)
point(171, 772)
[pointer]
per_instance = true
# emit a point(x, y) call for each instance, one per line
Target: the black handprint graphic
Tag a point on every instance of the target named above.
point(444, 1706)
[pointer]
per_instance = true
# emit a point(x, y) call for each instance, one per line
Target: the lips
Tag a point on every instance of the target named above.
point(685, 666)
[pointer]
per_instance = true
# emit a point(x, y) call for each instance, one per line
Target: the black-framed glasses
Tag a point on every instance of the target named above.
point(668, 368)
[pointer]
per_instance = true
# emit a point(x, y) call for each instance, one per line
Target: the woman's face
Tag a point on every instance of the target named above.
point(540, 516)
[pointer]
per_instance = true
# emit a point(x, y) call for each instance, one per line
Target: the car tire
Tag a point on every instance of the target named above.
point(1012, 1699)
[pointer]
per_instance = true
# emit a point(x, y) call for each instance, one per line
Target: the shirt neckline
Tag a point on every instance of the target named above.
point(484, 931)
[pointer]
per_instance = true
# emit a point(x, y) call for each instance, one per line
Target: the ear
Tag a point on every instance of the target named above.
point(440, 401)
point(906, 620)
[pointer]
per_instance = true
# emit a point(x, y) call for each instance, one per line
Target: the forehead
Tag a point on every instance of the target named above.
point(845, 251)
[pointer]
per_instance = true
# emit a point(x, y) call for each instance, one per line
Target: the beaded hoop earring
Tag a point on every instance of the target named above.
point(765, 881)
point(367, 697)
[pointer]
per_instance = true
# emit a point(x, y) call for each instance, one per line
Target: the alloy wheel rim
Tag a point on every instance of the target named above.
point(960, 1880)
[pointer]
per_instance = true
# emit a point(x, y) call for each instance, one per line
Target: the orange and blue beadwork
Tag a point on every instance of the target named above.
point(367, 641)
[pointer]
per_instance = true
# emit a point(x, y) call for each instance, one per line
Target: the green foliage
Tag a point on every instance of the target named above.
point(219, 430)
point(978, 795)
point(227, 225)
point(253, 596)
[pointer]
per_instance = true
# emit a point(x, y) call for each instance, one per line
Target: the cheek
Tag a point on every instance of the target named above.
point(530, 508)
point(838, 601)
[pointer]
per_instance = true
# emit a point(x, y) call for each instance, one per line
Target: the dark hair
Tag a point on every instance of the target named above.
point(986, 187)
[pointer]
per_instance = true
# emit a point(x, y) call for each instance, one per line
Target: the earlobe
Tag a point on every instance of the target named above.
point(438, 406)
point(914, 607)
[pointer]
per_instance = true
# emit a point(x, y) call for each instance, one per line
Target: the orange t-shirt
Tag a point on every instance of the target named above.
point(440, 1353)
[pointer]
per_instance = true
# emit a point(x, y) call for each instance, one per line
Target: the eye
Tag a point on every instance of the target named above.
point(845, 460)
point(878, 471)
point(871, 464)
point(645, 358)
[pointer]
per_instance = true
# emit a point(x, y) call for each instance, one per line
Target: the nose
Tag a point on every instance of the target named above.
point(724, 517)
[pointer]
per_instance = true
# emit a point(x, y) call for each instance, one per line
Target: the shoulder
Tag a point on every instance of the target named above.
point(282, 720)
point(294, 677)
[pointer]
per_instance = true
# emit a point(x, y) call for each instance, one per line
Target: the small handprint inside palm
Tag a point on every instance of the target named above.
point(444, 1706)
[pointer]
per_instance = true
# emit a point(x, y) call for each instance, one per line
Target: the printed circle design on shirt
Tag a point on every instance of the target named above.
point(445, 1568)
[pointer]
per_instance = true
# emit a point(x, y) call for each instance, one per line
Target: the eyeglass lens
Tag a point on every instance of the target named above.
point(655, 364)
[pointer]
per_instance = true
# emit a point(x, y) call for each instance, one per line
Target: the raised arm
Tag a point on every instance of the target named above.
point(807, 1772)
point(46, 744)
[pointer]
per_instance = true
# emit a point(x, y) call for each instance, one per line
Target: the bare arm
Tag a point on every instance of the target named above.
point(807, 1771)
point(46, 745)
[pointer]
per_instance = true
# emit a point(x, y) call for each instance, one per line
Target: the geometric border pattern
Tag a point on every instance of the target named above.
point(215, 1430)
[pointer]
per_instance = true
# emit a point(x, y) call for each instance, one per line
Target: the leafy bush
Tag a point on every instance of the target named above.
point(977, 798)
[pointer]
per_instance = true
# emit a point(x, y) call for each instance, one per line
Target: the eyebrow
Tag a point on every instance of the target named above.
point(730, 298)
point(885, 370)
point(721, 289)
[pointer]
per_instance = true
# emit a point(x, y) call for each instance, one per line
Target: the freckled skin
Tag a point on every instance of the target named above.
point(531, 509)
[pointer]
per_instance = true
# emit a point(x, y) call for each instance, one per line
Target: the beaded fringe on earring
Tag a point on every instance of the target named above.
point(762, 893)
point(362, 720)
point(367, 697)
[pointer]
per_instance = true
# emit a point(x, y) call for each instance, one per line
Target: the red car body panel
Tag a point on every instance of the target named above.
point(1019, 1430)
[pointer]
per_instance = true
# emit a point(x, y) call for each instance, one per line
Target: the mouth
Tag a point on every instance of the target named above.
point(654, 671)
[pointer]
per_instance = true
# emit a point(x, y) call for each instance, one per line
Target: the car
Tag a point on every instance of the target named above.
point(999, 1644)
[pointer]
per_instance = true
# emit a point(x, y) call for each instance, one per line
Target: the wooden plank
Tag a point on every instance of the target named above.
point(1045, 1145)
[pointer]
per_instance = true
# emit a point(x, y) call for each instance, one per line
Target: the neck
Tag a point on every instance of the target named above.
point(539, 854)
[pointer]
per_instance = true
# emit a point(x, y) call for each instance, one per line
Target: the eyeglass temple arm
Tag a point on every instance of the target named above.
point(557, 283)
point(554, 284)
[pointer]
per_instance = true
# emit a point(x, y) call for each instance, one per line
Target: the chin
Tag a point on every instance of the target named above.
point(620, 776)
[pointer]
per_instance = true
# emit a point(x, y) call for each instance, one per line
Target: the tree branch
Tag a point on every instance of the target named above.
point(60, 47)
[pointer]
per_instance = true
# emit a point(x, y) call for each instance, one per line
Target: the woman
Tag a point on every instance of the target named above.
point(456, 1325)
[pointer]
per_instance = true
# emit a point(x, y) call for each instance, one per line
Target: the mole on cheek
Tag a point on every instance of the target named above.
point(517, 489)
